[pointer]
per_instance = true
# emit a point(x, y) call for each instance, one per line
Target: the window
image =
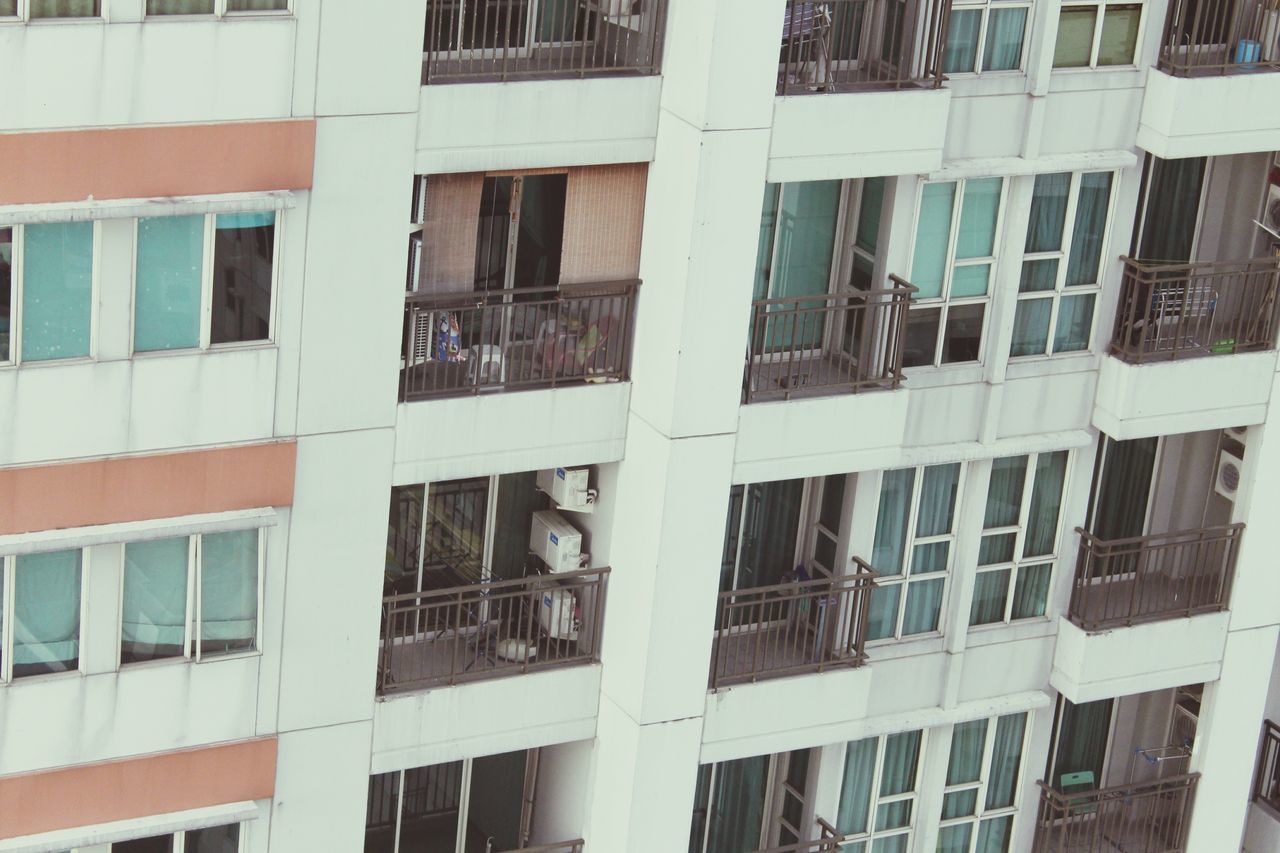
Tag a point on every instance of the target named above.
point(191, 597)
point(993, 30)
point(915, 528)
point(214, 7)
point(750, 803)
point(203, 280)
point(214, 839)
point(36, 9)
point(952, 266)
point(980, 799)
point(46, 291)
point(1019, 537)
point(878, 793)
point(40, 613)
point(1059, 286)
point(454, 807)
point(1091, 35)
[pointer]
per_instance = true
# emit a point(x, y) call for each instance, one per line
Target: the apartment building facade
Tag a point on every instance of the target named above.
point(935, 341)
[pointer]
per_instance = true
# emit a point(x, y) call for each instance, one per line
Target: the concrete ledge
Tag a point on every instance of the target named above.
point(1210, 116)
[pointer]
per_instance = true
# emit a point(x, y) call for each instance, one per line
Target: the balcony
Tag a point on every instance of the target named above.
point(492, 629)
point(1219, 37)
point(826, 345)
point(574, 846)
point(1143, 817)
point(1123, 582)
point(792, 628)
point(543, 337)
point(474, 41)
point(828, 841)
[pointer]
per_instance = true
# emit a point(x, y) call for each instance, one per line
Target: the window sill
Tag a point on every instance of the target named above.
point(915, 644)
point(193, 352)
point(41, 679)
point(1025, 367)
point(921, 377)
point(1035, 628)
point(47, 362)
point(1094, 79)
point(179, 661)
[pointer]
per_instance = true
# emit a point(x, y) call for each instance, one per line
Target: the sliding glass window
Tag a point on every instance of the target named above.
point(56, 282)
point(6, 290)
point(880, 782)
point(1062, 263)
point(40, 594)
point(983, 37)
point(65, 8)
point(1019, 537)
point(952, 266)
point(1092, 35)
point(214, 839)
point(983, 771)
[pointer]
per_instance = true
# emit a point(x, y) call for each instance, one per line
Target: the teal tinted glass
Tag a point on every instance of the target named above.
point(57, 290)
point(933, 233)
point(166, 310)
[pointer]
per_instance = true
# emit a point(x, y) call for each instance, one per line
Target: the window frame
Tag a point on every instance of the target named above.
point(911, 542)
point(986, 7)
point(1019, 563)
point(1098, 22)
point(191, 646)
point(179, 839)
point(944, 301)
point(205, 343)
point(220, 11)
point(8, 600)
point(869, 837)
point(980, 812)
point(24, 15)
point(1063, 256)
point(17, 291)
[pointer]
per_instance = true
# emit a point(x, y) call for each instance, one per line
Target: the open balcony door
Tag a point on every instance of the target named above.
point(1121, 503)
point(1081, 744)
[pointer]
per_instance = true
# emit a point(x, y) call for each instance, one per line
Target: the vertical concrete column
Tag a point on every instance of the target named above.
point(706, 186)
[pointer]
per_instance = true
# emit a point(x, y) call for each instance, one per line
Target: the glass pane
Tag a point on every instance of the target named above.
point(895, 815)
point(1038, 275)
point(46, 613)
point(1075, 36)
point(1048, 210)
point(1006, 760)
point(1046, 501)
point(892, 844)
point(832, 498)
point(243, 253)
point(154, 844)
point(432, 800)
point(977, 235)
point(497, 800)
point(929, 558)
point(1075, 322)
point(889, 547)
point(855, 790)
point(962, 41)
point(228, 591)
point(154, 620)
point(737, 805)
point(968, 741)
point(8, 8)
point(962, 340)
point(933, 235)
point(959, 803)
point(1032, 591)
point(1031, 327)
point(166, 311)
point(922, 336)
point(381, 811)
point(990, 592)
point(924, 604)
point(1083, 732)
point(955, 839)
point(1004, 492)
point(6, 280)
point(764, 247)
point(180, 7)
point(824, 551)
point(882, 615)
point(1119, 34)
point(64, 8)
point(901, 757)
point(970, 280)
point(57, 288)
point(868, 232)
point(806, 238)
point(216, 839)
point(1091, 221)
point(938, 499)
point(257, 5)
point(1005, 28)
point(994, 835)
point(996, 548)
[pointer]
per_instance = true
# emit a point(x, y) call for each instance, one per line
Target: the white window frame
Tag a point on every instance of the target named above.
point(8, 572)
point(206, 293)
point(980, 812)
point(24, 14)
point(1101, 7)
point(986, 7)
point(906, 578)
point(220, 11)
point(1018, 563)
point(179, 840)
point(870, 837)
point(1063, 256)
point(16, 294)
point(945, 301)
point(191, 651)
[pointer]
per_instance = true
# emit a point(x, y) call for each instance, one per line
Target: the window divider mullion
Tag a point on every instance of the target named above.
point(195, 552)
point(206, 281)
point(1097, 33)
point(7, 573)
point(16, 312)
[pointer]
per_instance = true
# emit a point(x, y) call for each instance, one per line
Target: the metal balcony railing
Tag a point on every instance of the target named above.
point(823, 345)
point(1216, 37)
point(507, 340)
point(574, 846)
point(1147, 578)
point(1198, 309)
point(1144, 817)
point(490, 629)
point(790, 628)
point(828, 841)
point(1266, 781)
point(861, 45)
point(470, 41)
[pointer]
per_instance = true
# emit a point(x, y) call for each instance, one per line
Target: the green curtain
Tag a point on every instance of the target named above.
point(1075, 322)
point(1004, 492)
point(955, 839)
point(897, 776)
point(518, 500)
point(888, 551)
point(46, 612)
point(1005, 29)
point(1006, 761)
point(1092, 203)
point(1075, 36)
point(924, 606)
point(737, 805)
point(166, 307)
point(1048, 214)
point(1119, 34)
point(1031, 322)
point(64, 8)
point(938, 499)
point(990, 592)
point(1046, 502)
point(1172, 209)
point(257, 5)
point(978, 214)
point(994, 835)
point(1083, 731)
point(962, 41)
point(964, 765)
point(853, 814)
point(1044, 234)
point(179, 7)
point(154, 618)
point(1121, 509)
point(228, 591)
point(933, 236)
point(57, 289)
point(1031, 593)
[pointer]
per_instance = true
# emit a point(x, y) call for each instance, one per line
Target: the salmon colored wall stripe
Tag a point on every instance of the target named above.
point(146, 162)
point(138, 488)
point(130, 788)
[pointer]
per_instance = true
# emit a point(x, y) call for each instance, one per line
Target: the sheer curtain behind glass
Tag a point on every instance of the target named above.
point(57, 290)
point(179, 7)
point(737, 805)
point(154, 619)
point(65, 8)
point(166, 310)
point(934, 517)
point(257, 5)
point(1005, 29)
point(46, 613)
point(228, 591)
point(889, 549)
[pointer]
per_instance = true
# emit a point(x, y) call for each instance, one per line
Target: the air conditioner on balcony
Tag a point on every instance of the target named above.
point(1227, 480)
point(558, 614)
point(568, 488)
point(1236, 433)
point(485, 367)
point(557, 542)
point(1271, 213)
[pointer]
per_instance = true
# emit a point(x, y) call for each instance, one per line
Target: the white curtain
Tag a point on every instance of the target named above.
point(229, 591)
point(46, 613)
point(155, 599)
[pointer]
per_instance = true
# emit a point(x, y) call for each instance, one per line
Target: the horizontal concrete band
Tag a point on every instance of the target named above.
point(159, 161)
point(157, 784)
point(139, 488)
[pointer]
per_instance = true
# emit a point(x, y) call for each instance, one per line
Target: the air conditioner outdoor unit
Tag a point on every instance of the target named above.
point(1237, 433)
point(558, 614)
point(1227, 480)
point(557, 542)
point(1271, 213)
point(568, 488)
point(485, 367)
